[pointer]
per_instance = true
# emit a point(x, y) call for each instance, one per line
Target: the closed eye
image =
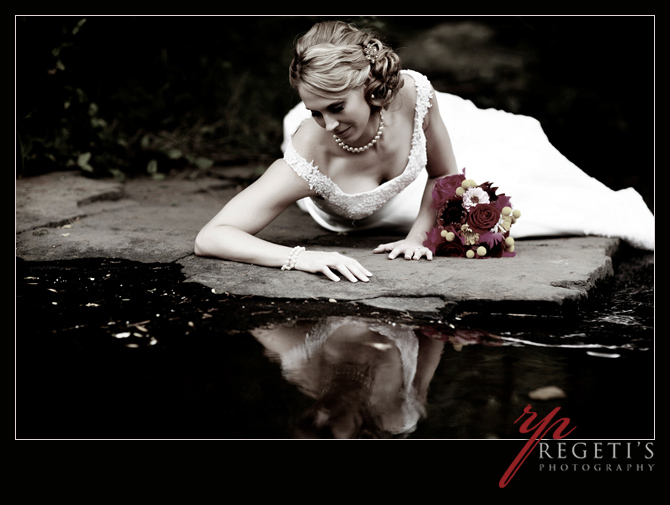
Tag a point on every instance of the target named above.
point(333, 109)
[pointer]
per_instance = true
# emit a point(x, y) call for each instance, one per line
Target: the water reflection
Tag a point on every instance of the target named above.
point(368, 378)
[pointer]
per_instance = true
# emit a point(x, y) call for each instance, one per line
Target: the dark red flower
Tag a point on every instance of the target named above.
point(453, 248)
point(444, 189)
point(483, 217)
point(452, 213)
point(433, 239)
point(440, 246)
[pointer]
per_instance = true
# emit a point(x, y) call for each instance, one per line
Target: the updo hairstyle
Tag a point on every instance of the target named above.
point(335, 57)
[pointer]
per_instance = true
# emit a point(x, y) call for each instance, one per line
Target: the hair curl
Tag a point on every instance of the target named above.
point(330, 59)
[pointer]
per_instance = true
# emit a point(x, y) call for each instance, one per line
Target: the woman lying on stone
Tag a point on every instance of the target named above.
point(365, 146)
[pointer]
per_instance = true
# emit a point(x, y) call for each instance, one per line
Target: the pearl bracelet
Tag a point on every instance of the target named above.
point(292, 258)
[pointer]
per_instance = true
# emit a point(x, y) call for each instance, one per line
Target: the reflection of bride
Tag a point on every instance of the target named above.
point(369, 379)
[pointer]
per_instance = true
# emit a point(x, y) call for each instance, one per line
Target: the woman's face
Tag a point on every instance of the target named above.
point(346, 115)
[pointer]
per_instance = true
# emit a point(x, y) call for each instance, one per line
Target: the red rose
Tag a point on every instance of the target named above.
point(444, 189)
point(483, 217)
point(453, 248)
point(440, 246)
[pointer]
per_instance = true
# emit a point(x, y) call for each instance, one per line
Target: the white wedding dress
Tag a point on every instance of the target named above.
point(555, 197)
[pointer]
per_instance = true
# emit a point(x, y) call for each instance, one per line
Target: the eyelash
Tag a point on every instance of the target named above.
point(334, 109)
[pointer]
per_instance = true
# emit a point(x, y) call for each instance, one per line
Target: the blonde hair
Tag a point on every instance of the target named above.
point(331, 59)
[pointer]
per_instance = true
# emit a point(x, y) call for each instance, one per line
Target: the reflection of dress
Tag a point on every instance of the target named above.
point(295, 360)
point(510, 150)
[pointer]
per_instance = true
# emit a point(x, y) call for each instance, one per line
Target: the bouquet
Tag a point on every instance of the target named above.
point(472, 220)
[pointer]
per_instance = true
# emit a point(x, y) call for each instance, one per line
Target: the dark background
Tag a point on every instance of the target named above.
point(150, 94)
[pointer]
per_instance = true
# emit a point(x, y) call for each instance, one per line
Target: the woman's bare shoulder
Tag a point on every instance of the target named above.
point(309, 140)
point(408, 89)
point(405, 100)
point(283, 182)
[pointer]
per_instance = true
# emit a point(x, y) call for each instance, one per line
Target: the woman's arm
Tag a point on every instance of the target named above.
point(231, 233)
point(441, 162)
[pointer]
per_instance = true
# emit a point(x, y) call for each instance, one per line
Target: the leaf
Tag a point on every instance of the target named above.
point(152, 167)
point(491, 239)
point(203, 163)
point(82, 162)
point(503, 201)
point(547, 393)
point(75, 30)
point(117, 174)
point(152, 170)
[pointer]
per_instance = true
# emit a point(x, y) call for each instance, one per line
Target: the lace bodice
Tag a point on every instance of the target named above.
point(361, 205)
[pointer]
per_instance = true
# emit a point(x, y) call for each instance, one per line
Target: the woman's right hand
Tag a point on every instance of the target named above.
point(325, 262)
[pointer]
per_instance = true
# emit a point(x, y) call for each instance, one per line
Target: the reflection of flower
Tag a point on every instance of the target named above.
point(459, 337)
point(471, 219)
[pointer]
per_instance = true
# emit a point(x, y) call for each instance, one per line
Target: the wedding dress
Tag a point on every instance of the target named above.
point(555, 197)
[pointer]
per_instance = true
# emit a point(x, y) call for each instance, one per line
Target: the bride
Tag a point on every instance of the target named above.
point(365, 146)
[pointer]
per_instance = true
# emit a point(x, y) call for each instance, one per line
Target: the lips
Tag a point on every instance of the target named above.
point(343, 132)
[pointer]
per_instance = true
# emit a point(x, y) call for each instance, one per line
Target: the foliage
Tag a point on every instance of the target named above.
point(123, 95)
point(131, 95)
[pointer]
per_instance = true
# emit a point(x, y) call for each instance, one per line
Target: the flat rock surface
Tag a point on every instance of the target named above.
point(65, 215)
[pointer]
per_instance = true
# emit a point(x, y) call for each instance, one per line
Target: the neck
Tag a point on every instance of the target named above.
point(371, 130)
point(357, 149)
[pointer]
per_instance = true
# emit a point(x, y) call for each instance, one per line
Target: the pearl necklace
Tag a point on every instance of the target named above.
point(357, 150)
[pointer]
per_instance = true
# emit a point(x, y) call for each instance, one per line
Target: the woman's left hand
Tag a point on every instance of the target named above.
point(409, 249)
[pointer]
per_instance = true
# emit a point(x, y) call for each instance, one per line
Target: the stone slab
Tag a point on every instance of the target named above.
point(67, 216)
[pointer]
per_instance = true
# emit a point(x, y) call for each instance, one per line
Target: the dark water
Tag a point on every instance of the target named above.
point(116, 349)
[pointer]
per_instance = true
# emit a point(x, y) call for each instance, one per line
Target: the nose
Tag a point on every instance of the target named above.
point(331, 123)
